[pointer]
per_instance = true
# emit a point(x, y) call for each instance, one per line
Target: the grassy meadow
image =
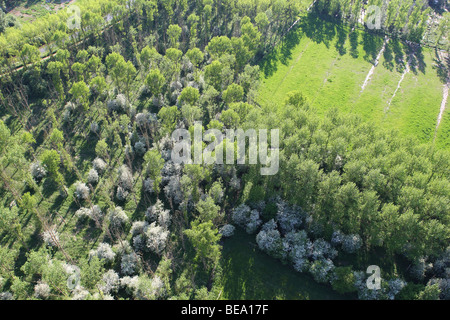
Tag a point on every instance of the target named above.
point(328, 62)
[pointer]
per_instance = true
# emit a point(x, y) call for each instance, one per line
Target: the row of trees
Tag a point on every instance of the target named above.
point(408, 19)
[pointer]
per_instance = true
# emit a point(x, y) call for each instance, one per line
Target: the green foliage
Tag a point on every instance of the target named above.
point(155, 81)
point(190, 95)
point(344, 281)
point(204, 238)
point(51, 160)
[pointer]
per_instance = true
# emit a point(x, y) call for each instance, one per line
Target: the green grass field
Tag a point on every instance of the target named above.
point(248, 273)
point(329, 63)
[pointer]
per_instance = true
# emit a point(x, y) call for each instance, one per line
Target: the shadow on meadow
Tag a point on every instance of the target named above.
point(332, 32)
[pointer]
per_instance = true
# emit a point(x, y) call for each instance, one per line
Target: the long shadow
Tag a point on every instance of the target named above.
point(441, 68)
point(354, 42)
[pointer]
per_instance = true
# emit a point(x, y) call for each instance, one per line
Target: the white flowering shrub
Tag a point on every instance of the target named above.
point(156, 237)
point(173, 189)
point(149, 185)
point(441, 266)
point(51, 236)
point(79, 293)
point(94, 128)
point(81, 191)
point(142, 119)
point(288, 217)
point(246, 218)
point(165, 147)
point(138, 227)
point(129, 263)
point(351, 243)
point(83, 213)
point(337, 238)
point(153, 211)
point(110, 282)
point(117, 217)
point(444, 287)
point(235, 183)
point(165, 219)
point(269, 240)
point(42, 290)
point(420, 268)
point(394, 287)
point(139, 242)
point(103, 251)
point(118, 104)
point(299, 249)
point(321, 249)
point(96, 213)
point(140, 148)
point(99, 165)
point(322, 270)
point(6, 295)
point(227, 230)
point(37, 171)
point(92, 177)
point(151, 289)
point(240, 215)
point(125, 178)
point(121, 193)
point(365, 293)
point(130, 284)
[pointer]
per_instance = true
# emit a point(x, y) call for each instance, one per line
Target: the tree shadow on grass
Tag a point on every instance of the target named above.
point(280, 54)
point(372, 45)
point(441, 68)
point(353, 38)
point(341, 39)
point(250, 274)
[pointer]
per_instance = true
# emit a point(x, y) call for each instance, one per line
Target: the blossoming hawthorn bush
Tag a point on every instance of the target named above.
point(227, 230)
point(104, 251)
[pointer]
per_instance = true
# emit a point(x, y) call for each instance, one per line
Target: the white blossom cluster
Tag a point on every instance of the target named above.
point(419, 268)
point(269, 239)
point(125, 184)
point(81, 191)
point(119, 104)
point(95, 213)
point(99, 165)
point(92, 177)
point(80, 293)
point(138, 227)
point(103, 251)
point(350, 243)
point(157, 212)
point(394, 287)
point(444, 287)
point(37, 171)
point(149, 185)
point(288, 217)
point(117, 217)
point(129, 263)
point(140, 148)
point(247, 218)
point(42, 290)
point(51, 236)
point(110, 282)
point(156, 238)
point(227, 230)
point(364, 293)
point(152, 289)
point(322, 270)
point(6, 295)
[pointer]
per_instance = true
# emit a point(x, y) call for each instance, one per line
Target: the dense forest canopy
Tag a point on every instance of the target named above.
point(89, 191)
